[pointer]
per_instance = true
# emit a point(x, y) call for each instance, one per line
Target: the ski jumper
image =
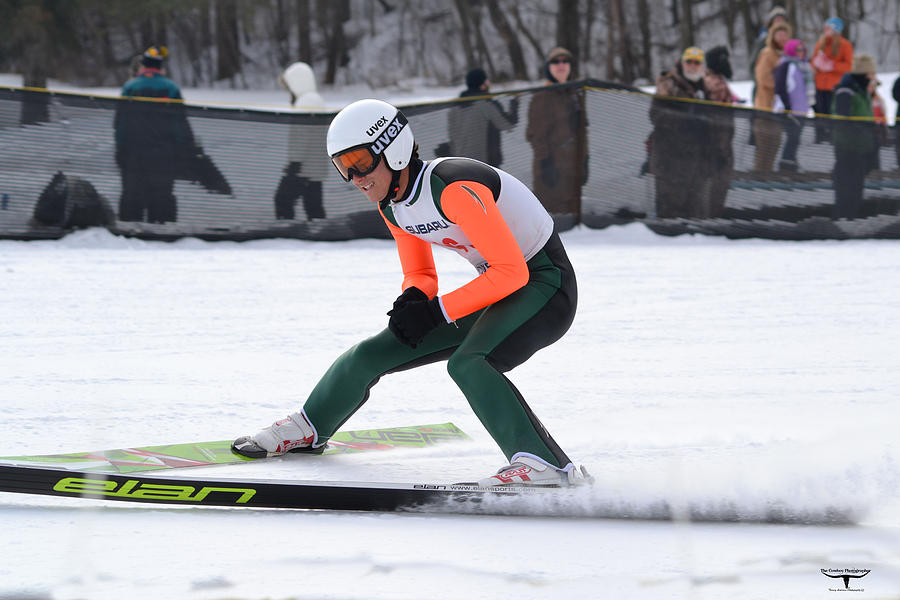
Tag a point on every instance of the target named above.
point(523, 299)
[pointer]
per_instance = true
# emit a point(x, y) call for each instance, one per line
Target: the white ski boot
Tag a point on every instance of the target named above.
point(292, 434)
point(527, 469)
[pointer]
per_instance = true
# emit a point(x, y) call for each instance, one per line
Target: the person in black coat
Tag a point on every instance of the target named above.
point(151, 137)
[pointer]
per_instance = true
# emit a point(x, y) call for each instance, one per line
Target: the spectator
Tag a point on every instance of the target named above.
point(791, 99)
point(300, 82)
point(679, 145)
point(766, 128)
point(558, 137)
point(718, 72)
point(831, 59)
point(474, 127)
point(776, 16)
point(151, 140)
point(855, 144)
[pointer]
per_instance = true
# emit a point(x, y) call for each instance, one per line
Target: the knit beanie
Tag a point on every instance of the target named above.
point(153, 56)
point(717, 61)
point(790, 47)
point(836, 24)
point(863, 64)
point(778, 11)
point(557, 52)
point(475, 78)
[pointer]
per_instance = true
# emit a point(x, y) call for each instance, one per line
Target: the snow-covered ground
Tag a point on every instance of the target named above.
point(750, 374)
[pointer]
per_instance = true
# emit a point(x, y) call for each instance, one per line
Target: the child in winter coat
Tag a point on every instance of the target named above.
point(791, 99)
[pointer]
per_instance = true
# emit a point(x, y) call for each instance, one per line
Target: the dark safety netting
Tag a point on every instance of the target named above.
point(595, 153)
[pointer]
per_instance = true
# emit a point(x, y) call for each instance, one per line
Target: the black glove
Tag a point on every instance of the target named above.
point(410, 294)
point(549, 174)
point(412, 321)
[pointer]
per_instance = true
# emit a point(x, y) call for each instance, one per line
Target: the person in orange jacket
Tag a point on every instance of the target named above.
point(832, 57)
point(522, 298)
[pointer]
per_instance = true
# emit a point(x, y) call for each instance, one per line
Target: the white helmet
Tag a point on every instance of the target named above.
point(369, 128)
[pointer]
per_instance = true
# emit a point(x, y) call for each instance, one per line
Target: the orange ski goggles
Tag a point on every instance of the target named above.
point(360, 161)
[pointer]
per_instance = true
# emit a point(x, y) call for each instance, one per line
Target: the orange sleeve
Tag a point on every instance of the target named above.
point(416, 261)
point(843, 62)
point(471, 206)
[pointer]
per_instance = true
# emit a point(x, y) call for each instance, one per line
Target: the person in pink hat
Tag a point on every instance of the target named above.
point(791, 98)
point(831, 58)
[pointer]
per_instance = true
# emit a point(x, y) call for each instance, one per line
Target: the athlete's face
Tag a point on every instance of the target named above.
point(375, 184)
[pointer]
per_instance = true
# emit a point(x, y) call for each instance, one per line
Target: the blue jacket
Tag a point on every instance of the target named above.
point(149, 133)
point(151, 83)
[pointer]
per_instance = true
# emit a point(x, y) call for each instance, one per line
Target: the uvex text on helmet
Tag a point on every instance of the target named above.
point(376, 125)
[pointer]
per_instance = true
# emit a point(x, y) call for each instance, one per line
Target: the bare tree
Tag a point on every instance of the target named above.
point(612, 74)
point(621, 43)
point(278, 19)
point(193, 32)
point(729, 16)
point(567, 28)
point(790, 7)
point(207, 37)
point(687, 23)
point(484, 56)
point(335, 13)
point(303, 31)
point(228, 44)
point(501, 24)
point(42, 34)
point(532, 40)
point(464, 9)
point(645, 60)
point(750, 25)
point(589, 18)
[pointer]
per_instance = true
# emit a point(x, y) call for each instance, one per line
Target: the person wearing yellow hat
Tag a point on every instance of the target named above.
point(693, 63)
point(853, 136)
